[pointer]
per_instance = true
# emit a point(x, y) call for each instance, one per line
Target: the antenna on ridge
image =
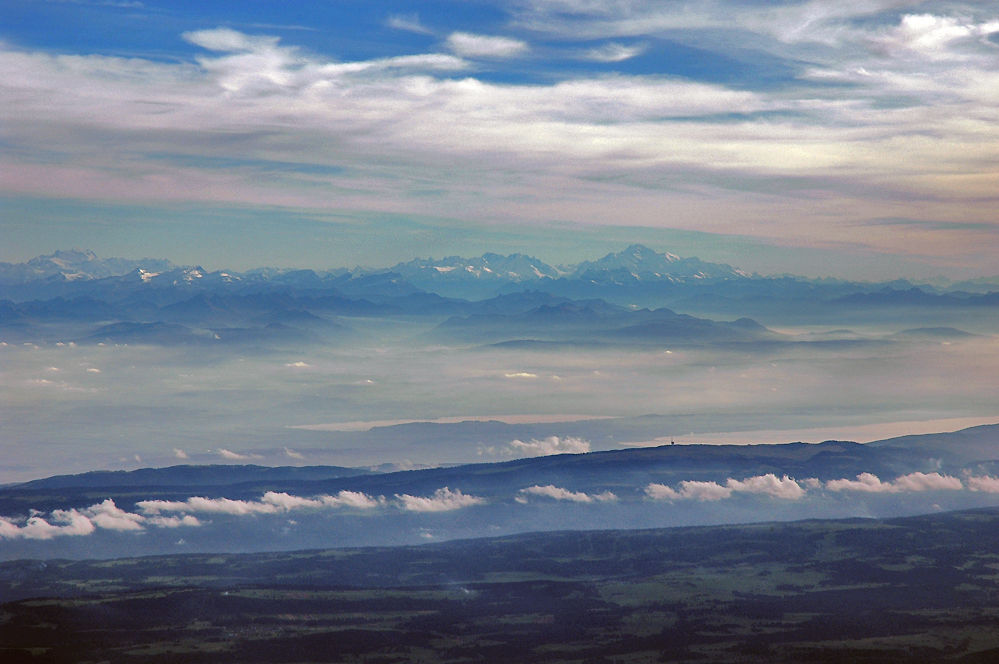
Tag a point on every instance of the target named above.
point(671, 441)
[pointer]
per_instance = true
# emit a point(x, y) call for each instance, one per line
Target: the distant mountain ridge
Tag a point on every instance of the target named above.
point(73, 265)
point(641, 263)
point(636, 277)
point(638, 260)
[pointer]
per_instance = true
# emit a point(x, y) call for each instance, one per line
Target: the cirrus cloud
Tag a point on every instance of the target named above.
point(613, 52)
point(470, 45)
point(912, 118)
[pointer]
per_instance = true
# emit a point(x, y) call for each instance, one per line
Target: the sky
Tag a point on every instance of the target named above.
point(852, 138)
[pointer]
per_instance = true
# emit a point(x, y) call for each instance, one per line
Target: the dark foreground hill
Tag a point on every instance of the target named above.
point(919, 589)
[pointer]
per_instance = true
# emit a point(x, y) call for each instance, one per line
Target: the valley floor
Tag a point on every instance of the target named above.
point(916, 589)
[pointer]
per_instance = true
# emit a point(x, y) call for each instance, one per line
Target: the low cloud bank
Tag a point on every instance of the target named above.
point(273, 502)
point(443, 500)
point(790, 489)
point(558, 493)
point(270, 503)
point(176, 513)
point(105, 515)
point(984, 484)
point(769, 484)
point(869, 483)
point(537, 448)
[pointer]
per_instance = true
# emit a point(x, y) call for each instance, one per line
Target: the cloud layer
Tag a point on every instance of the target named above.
point(869, 483)
point(270, 503)
point(105, 515)
point(558, 493)
point(174, 514)
point(471, 46)
point(790, 489)
point(537, 448)
point(443, 500)
point(895, 116)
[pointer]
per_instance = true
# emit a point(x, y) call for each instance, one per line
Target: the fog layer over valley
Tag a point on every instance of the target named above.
point(365, 368)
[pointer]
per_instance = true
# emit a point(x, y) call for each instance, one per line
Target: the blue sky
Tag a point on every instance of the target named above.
point(848, 137)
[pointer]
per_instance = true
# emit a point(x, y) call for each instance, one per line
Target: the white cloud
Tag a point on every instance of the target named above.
point(928, 482)
point(236, 456)
point(536, 448)
point(288, 502)
point(271, 502)
point(293, 454)
point(869, 483)
point(983, 483)
point(770, 485)
point(173, 521)
point(558, 493)
point(353, 499)
point(934, 36)
point(443, 500)
point(105, 515)
point(226, 454)
point(703, 490)
point(866, 482)
point(614, 52)
point(689, 490)
point(811, 20)
point(180, 454)
point(208, 505)
point(63, 523)
point(409, 23)
point(229, 41)
point(660, 492)
point(911, 132)
point(470, 45)
point(521, 374)
point(109, 516)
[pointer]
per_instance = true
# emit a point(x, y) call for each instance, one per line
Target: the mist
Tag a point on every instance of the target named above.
point(85, 407)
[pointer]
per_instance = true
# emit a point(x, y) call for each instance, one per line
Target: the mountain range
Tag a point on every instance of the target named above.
point(635, 275)
point(635, 295)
